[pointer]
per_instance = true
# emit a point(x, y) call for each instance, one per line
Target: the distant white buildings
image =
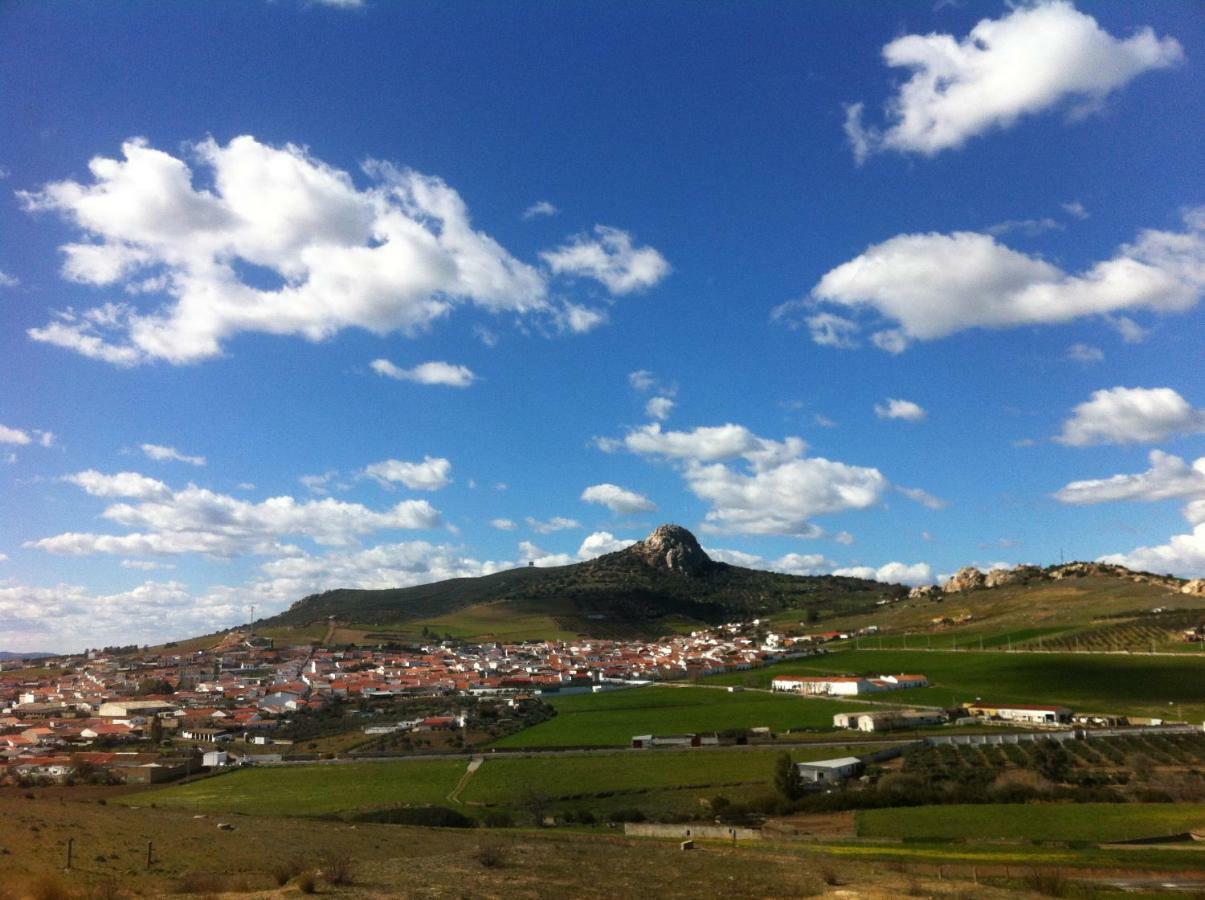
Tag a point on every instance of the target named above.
point(846, 685)
point(1022, 713)
point(888, 719)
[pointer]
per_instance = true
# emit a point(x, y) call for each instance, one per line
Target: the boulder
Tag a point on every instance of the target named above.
point(1001, 577)
point(924, 592)
point(967, 579)
point(1196, 587)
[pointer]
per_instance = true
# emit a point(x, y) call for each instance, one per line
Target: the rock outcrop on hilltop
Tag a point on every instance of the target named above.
point(972, 579)
point(967, 579)
point(671, 548)
point(1001, 577)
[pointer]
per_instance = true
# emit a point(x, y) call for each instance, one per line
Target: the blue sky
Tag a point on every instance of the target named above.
point(299, 295)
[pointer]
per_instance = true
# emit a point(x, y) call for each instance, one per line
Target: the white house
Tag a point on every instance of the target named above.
point(830, 771)
point(888, 719)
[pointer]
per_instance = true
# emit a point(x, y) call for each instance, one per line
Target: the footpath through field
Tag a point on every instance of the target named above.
point(474, 765)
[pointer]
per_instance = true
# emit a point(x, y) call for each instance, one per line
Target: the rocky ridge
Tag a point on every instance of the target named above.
point(973, 579)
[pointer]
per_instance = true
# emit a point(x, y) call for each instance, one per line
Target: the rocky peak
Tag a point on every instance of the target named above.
point(671, 548)
point(967, 579)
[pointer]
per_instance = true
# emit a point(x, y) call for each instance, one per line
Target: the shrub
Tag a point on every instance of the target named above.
point(628, 815)
point(307, 883)
point(284, 872)
point(200, 883)
point(337, 868)
point(491, 856)
point(498, 818)
point(425, 816)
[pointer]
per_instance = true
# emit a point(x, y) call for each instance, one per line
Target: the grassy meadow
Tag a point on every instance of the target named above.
point(1161, 686)
point(611, 718)
point(656, 781)
point(1095, 822)
point(312, 790)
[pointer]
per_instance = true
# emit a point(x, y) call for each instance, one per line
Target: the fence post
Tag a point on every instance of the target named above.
point(150, 851)
point(70, 851)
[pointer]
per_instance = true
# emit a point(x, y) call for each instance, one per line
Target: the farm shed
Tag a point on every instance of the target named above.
point(1018, 712)
point(830, 771)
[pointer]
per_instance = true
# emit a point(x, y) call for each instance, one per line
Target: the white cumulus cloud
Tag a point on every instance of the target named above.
point(539, 209)
point(122, 484)
point(601, 542)
point(1033, 59)
point(891, 573)
point(609, 257)
point(927, 286)
point(548, 526)
point(659, 408)
point(249, 237)
point(618, 499)
point(160, 453)
point(434, 372)
point(1124, 415)
point(1168, 478)
point(900, 409)
point(756, 485)
point(432, 474)
point(197, 520)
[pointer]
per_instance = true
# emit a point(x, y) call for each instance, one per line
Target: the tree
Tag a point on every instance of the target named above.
point(536, 803)
point(1052, 761)
point(787, 779)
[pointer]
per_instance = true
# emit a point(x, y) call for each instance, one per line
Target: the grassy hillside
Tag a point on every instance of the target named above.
point(638, 591)
point(1097, 612)
point(1137, 685)
point(192, 856)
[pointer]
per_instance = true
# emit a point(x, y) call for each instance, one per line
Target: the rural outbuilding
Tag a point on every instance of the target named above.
point(830, 771)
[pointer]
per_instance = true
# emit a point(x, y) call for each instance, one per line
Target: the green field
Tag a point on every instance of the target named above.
point(501, 778)
point(654, 780)
point(312, 790)
point(1097, 822)
point(1160, 686)
point(611, 718)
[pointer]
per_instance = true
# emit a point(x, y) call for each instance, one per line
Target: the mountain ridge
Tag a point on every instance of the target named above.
point(668, 574)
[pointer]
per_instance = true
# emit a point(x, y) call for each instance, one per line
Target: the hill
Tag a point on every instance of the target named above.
point(665, 581)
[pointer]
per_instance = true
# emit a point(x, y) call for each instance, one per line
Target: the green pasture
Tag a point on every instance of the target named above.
point(1162, 686)
point(501, 778)
point(1095, 822)
point(611, 718)
point(311, 790)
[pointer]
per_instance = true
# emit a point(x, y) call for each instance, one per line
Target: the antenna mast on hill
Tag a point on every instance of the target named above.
point(252, 626)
